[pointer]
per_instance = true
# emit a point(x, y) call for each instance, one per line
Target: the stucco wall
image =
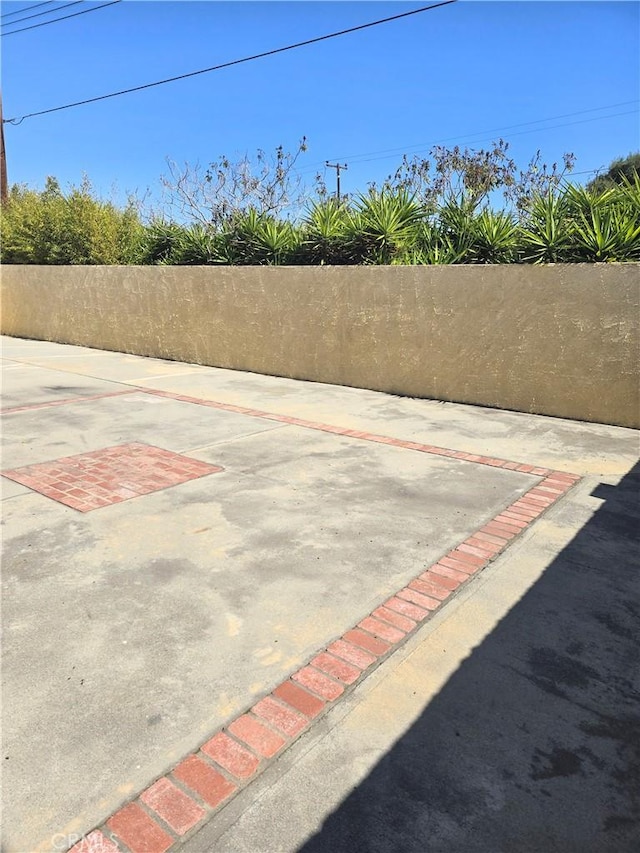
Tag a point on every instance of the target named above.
point(556, 340)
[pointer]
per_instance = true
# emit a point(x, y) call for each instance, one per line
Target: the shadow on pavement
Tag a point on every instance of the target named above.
point(534, 743)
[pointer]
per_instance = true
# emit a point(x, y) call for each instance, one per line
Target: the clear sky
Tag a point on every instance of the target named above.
point(462, 73)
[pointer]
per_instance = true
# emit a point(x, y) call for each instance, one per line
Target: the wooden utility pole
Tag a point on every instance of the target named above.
point(4, 189)
point(337, 167)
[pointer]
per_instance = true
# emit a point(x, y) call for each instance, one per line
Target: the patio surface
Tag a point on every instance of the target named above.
point(180, 540)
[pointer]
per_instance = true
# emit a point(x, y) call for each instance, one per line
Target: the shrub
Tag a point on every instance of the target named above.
point(385, 226)
point(327, 230)
point(50, 227)
point(563, 224)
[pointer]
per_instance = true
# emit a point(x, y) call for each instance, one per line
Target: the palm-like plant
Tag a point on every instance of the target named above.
point(607, 234)
point(457, 223)
point(605, 222)
point(496, 238)
point(275, 241)
point(433, 246)
point(629, 193)
point(327, 226)
point(253, 238)
point(195, 245)
point(161, 242)
point(547, 231)
point(386, 224)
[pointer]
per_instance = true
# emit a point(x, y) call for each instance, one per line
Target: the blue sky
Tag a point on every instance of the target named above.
point(462, 73)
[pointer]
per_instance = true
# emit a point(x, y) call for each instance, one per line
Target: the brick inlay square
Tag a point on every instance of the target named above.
point(111, 475)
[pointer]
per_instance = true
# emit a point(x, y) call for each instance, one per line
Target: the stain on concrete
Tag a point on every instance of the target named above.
point(51, 545)
point(625, 729)
point(167, 570)
point(66, 389)
point(616, 823)
point(549, 669)
point(558, 762)
point(624, 732)
point(613, 625)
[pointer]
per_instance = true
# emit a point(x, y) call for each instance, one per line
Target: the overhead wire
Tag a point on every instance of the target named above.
point(317, 39)
point(40, 14)
point(534, 130)
point(470, 138)
point(63, 18)
point(407, 148)
point(27, 9)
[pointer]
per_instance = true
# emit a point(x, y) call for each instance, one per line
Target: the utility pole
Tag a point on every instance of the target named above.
point(337, 167)
point(4, 190)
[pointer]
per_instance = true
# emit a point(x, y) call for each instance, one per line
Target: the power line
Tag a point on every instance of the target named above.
point(228, 64)
point(27, 9)
point(534, 130)
point(40, 14)
point(63, 18)
point(407, 148)
point(472, 140)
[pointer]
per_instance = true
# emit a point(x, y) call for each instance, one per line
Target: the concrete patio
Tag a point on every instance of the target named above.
point(135, 629)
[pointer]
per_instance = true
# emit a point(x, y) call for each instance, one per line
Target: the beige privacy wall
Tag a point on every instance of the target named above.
point(555, 340)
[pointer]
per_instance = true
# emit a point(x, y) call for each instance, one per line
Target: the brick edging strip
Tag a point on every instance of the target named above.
point(354, 433)
point(177, 804)
point(52, 403)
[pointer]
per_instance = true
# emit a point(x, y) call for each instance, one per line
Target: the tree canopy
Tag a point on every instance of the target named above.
point(624, 167)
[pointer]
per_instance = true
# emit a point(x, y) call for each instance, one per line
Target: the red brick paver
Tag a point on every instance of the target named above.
point(256, 735)
point(299, 699)
point(403, 622)
point(283, 718)
point(339, 669)
point(111, 475)
point(352, 654)
point(365, 641)
point(381, 629)
point(178, 810)
point(66, 402)
point(229, 754)
point(205, 780)
point(318, 683)
point(139, 832)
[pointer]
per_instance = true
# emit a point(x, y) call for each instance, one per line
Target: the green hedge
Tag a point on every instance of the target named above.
point(51, 227)
point(569, 225)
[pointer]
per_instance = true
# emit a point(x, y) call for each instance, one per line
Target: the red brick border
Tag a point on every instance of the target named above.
point(354, 433)
point(175, 805)
point(51, 403)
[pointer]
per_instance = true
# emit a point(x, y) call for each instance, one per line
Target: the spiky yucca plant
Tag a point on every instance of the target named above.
point(253, 238)
point(547, 231)
point(386, 224)
point(605, 222)
point(276, 241)
point(456, 219)
point(327, 230)
point(496, 238)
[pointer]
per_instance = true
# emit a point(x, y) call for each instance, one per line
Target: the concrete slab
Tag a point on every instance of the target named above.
point(134, 631)
point(166, 614)
point(31, 384)
point(45, 434)
point(509, 724)
point(590, 449)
